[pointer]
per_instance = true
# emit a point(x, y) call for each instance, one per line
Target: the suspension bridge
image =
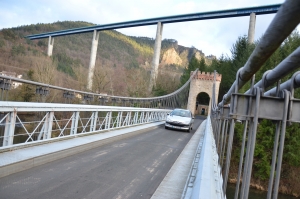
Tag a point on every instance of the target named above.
point(117, 148)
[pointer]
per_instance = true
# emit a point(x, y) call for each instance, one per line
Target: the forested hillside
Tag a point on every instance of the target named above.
point(122, 67)
point(228, 66)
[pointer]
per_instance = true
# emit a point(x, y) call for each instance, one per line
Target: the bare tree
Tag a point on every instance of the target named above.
point(102, 79)
point(137, 82)
point(44, 69)
point(168, 81)
point(81, 74)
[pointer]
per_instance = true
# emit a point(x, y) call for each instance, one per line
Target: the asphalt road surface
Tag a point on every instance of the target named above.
point(127, 168)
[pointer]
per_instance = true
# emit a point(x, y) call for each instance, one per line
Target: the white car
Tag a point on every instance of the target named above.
point(181, 119)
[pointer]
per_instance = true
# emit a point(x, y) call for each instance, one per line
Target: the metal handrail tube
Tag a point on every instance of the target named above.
point(281, 70)
point(96, 94)
point(8, 106)
point(284, 22)
point(285, 85)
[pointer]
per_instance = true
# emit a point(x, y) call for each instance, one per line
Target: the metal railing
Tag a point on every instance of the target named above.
point(205, 179)
point(277, 104)
point(24, 123)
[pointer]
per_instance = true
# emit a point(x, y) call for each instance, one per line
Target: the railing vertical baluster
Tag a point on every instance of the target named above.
point(228, 154)
point(218, 133)
point(252, 146)
point(222, 139)
point(281, 143)
point(224, 143)
point(241, 160)
point(246, 170)
point(274, 155)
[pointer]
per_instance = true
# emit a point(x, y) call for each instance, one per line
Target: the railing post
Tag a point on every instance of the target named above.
point(221, 138)
point(252, 145)
point(74, 125)
point(147, 118)
point(246, 169)
point(48, 125)
point(151, 116)
point(228, 154)
point(224, 143)
point(274, 155)
point(135, 117)
point(119, 118)
point(281, 143)
point(94, 121)
point(108, 120)
point(241, 160)
point(218, 132)
point(142, 118)
point(9, 128)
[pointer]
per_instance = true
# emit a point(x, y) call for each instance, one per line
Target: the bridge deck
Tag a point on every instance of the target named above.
point(26, 158)
point(128, 167)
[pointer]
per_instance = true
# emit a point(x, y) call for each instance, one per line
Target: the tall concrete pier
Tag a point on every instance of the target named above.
point(93, 59)
point(251, 30)
point(156, 55)
point(50, 46)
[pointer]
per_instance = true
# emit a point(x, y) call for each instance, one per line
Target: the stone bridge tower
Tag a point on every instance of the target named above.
point(203, 83)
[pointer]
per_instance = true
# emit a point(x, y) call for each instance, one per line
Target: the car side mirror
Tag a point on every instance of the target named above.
point(168, 114)
point(193, 117)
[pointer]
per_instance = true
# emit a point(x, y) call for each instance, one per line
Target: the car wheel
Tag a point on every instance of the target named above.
point(166, 127)
point(189, 130)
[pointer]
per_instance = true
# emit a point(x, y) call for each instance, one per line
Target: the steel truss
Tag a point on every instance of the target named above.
point(277, 104)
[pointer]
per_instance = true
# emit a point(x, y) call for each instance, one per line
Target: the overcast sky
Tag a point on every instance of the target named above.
point(214, 36)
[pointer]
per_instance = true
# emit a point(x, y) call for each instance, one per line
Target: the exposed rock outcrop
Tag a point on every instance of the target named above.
point(171, 57)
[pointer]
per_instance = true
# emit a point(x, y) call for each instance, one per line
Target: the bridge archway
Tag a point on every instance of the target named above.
point(202, 83)
point(202, 103)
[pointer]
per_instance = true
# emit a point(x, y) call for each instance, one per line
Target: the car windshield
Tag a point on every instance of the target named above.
point(182, 113)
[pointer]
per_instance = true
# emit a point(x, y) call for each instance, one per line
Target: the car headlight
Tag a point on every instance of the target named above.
point(169, 120)
point(186, 122)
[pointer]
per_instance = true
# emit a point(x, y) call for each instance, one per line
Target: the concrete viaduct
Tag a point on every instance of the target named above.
point(160, 21)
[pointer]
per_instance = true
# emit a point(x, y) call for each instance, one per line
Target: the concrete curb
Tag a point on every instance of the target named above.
point(16, 166)
point(174, 182)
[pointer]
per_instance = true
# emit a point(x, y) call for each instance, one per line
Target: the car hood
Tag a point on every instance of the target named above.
point(179, 118)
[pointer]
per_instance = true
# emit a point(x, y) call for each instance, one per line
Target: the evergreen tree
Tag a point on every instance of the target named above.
point(193, 65)
point(202, 65)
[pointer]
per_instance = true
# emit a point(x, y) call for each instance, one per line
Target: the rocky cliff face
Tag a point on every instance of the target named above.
point(171, 57)
point(180, 56)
